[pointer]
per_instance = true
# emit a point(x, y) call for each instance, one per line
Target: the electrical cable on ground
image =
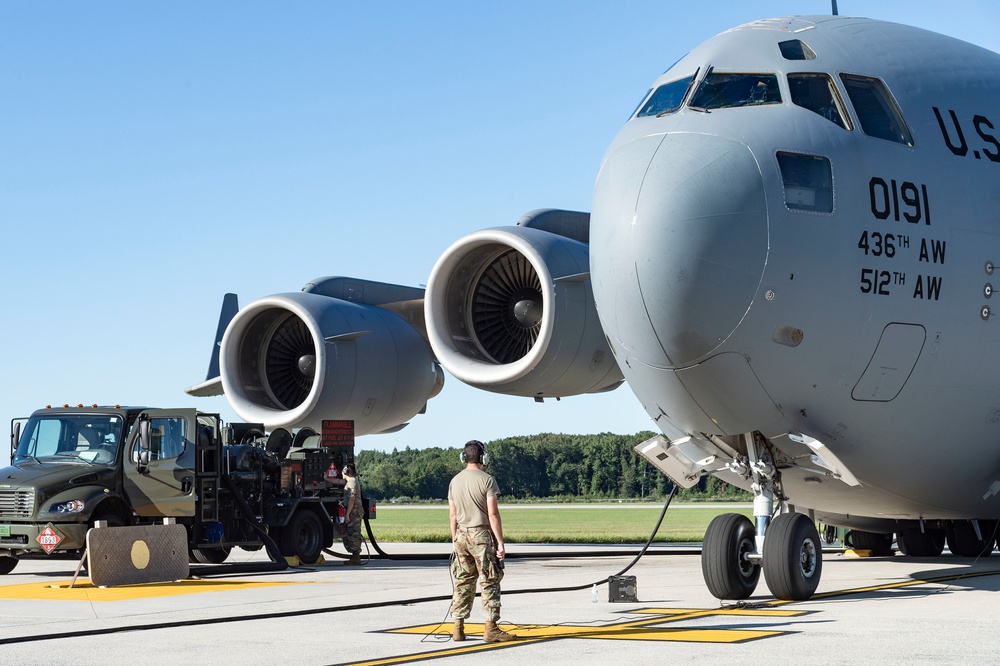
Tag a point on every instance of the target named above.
point(631, 564)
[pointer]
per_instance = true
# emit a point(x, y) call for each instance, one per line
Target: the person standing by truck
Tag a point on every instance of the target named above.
point(477, 534)
point(353, 515)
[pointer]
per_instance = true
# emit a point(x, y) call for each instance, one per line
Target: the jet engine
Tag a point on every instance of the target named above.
point(511, 310)
point(292, 360)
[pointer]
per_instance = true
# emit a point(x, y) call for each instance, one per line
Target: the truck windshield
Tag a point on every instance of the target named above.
point(88, 438)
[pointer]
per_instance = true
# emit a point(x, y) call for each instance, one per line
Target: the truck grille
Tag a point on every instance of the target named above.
point(17, 503)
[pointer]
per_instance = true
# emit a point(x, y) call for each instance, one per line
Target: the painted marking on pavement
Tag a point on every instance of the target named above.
point(85, 591)
point(642, 625)
point(645, 628)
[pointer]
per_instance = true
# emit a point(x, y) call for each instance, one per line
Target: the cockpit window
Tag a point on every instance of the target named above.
point(817, 93)
point(808, 182)
point(724, 90)
point(796, 49)
point(667, 98)
point(641, 100)
point(877, 112)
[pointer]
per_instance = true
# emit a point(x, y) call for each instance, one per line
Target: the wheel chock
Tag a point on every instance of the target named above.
point(857, 552)
point(293, 561)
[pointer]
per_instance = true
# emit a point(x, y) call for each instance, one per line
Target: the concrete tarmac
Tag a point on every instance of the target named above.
point(876, 610)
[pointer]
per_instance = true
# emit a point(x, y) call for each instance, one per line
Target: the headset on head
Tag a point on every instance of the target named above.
point(483, 456)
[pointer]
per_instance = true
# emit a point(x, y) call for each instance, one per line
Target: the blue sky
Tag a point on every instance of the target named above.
point(154, 156)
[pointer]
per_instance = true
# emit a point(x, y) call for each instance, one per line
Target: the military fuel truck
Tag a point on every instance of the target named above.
point(230, 485)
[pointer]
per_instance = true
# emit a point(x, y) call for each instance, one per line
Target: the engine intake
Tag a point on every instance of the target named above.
point(292, 360)
point(510, 310)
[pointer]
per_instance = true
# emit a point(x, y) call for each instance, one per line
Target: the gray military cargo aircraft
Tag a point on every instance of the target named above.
point(790, 259)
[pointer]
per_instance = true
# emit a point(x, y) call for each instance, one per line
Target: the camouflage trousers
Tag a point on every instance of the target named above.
point(352, 534)
point(476, 557)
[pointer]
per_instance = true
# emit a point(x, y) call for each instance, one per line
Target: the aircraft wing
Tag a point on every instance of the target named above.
point(508, 310)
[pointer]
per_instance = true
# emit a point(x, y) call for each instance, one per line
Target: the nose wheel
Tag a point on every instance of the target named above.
point(786, 547)
point(725, 557)
point(793, 557)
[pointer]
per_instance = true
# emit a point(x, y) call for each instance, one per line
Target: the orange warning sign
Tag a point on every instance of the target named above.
point(49, 539)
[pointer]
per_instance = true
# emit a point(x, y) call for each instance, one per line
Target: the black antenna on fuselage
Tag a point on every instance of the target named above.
point(834, 2)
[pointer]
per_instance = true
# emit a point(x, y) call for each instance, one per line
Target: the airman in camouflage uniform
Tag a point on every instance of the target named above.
point(477, 535)
point(354, 514)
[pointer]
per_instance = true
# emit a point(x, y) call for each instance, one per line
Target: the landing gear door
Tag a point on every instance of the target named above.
point(159, 463)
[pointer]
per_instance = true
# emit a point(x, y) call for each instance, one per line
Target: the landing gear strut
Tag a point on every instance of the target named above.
point(735, 550)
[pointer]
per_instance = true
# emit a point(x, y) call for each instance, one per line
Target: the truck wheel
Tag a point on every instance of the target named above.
point(303, 537)
point(114, 520)
point(7, 564)
point(210, 555)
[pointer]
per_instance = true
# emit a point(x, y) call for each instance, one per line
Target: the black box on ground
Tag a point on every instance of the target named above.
point(621, 589)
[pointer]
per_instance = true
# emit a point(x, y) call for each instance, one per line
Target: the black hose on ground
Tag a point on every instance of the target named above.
point(277, 563)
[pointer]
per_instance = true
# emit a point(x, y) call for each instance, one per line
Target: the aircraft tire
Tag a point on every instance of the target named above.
point(7, 564)
point(793, 557)
point(303, 536)
point(727, 572)
point(962, 540)
point(880, 545)
point(914, 543)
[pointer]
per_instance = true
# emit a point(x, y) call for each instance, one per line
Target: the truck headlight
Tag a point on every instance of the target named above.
point(72, 506)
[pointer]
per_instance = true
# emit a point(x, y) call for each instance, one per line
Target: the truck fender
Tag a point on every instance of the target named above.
point(94, 499)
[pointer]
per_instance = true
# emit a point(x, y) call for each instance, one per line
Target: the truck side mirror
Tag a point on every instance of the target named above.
point(15, 437)
point(144, 439)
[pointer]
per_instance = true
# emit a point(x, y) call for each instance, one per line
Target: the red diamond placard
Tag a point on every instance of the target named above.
point(49, 539)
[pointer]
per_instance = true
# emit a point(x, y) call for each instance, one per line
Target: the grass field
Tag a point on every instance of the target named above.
point(592, 523)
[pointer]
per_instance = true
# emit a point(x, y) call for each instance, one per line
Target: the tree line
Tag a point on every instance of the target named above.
point(545, 466)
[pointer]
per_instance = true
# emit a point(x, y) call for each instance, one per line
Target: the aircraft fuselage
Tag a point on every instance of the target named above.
point(807, 244)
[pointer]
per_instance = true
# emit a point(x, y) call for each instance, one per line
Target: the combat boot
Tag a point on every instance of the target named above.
point(494, 634)
point(458, 633)
point(354, 561)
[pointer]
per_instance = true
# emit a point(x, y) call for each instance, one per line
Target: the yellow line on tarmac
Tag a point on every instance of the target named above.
point(632, 630)
point(451, 652)
point(85, 591)
point(888, 586)
point(675, 614)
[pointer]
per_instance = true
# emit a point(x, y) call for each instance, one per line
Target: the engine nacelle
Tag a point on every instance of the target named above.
point(511, 310)
point(292, 360)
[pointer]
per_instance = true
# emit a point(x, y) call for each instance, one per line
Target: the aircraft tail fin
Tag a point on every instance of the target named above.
point(213, 382)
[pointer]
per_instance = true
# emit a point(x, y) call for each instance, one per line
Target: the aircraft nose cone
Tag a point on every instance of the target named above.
point(678, 244)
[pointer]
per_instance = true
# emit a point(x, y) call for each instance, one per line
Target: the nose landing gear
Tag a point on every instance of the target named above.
point(788, 547)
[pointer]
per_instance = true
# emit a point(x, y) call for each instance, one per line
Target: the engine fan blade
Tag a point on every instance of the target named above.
point(507, 307)
point(289, 373)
